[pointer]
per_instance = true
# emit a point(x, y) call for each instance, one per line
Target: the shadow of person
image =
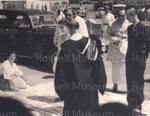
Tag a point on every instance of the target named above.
point(9, 106)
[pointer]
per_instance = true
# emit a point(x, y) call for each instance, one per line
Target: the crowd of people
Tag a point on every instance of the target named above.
point(79, 69)
point(79, 64)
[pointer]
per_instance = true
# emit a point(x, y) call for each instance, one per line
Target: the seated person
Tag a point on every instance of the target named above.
point(25, 23)
point(12, 75)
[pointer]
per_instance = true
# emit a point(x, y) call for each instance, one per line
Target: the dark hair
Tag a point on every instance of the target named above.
point(74, 23)
point(9, 105)
point(132, 11)
point(67, 9)
point(64, 22)
point(117, 109)
point(11, 52)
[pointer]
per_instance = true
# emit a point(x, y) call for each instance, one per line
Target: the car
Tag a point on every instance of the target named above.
point(99, 13)
point(116, 8)
point(32, 41)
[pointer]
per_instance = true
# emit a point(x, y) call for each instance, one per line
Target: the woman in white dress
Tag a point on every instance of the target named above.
point(62, 35)
point(12, 75)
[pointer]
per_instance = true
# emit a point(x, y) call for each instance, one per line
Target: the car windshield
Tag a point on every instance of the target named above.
point(43, 20)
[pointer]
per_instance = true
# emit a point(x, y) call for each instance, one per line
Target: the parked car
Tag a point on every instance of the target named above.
point(99, 13)
point(34, 40)
point(116, 8)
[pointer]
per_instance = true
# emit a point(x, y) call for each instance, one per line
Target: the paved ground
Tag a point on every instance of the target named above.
point(40, 96)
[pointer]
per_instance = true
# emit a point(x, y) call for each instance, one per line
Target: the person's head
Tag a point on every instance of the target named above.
point(121, 16)
point(131, 15)
point(68, 14)
point(13, 107)
point(11, 55)
point(74, 11)
point(135, 98)
point(106, 9)
point(73, 26)
point(63, 26)
point(114, 109)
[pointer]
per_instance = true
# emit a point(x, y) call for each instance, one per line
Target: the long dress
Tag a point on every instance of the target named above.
point(11, 76)
point(79, 76)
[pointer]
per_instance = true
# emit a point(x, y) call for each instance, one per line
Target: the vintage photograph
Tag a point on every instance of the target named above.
point(74, 58)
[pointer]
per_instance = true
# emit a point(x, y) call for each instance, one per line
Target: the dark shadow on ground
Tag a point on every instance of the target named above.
point(32, 64)
point(56, 110)
point(118, 92)
point(147, 80)
point(48, 77)
point(47, 99)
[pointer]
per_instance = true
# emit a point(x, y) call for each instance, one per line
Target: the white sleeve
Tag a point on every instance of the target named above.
point(6, 71)
point(83, 28)
point(56, 36)
point(18, 72)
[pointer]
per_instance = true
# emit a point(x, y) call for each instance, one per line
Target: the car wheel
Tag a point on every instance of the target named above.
point(50, 57)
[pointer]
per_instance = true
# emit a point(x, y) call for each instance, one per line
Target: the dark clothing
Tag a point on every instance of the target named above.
point(79, 78)
point(137, 53)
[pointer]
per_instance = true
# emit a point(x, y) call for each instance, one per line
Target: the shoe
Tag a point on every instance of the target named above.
point(115, 88)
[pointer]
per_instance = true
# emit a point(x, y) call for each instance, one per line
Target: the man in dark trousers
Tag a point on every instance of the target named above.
point(137, 53)
point(80, 73)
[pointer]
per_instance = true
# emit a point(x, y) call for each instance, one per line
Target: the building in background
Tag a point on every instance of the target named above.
point(33, 4)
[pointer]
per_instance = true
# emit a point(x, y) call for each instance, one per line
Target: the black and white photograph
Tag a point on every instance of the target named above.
point(74, 58)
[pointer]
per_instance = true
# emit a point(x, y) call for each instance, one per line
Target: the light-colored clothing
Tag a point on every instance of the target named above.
point(61, 16)
point(107, 20)
point(8, 70)
point(82, 26)
point(58, 41)
point(13, 73)
point(117, 71)
point(116, 31)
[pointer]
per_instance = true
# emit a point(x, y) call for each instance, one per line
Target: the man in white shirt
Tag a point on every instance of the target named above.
point(107, 20)
point(82, 25)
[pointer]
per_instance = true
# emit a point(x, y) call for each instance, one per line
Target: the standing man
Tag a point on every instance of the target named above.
point(107, 20)
point(80, 73)
point(116, 34)
point(82, 25)
point(137, 53)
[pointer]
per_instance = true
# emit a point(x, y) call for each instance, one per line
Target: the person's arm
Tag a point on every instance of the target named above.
point(110, 37)
point(6, 71)
point(55, 40)
point(18, 72)
point(83, 28)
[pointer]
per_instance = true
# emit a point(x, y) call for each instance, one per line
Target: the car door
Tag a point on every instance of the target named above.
point(24, 36)
point(7, 33)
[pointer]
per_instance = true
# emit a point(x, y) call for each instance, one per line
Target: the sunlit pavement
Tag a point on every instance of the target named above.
point(41, 97)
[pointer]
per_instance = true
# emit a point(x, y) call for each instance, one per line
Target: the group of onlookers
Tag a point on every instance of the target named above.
point(79, 61)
